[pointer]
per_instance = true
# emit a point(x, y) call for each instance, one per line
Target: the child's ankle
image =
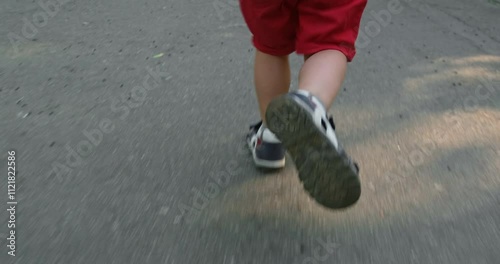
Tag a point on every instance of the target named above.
point(310, 94)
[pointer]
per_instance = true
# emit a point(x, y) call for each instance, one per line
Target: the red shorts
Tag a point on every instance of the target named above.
point(280, 27)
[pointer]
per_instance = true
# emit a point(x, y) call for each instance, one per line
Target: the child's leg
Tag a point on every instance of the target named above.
point(273, 25)
point(271, 77)
point(322, 75)
point(326, 32)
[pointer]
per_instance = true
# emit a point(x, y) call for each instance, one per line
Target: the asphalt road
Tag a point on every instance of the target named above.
point(128, 121)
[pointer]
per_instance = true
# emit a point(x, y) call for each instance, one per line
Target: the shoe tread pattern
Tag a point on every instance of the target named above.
point(328, 175)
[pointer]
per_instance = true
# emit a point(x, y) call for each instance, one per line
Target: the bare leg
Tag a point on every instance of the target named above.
point(271, 77)
point(322, 75)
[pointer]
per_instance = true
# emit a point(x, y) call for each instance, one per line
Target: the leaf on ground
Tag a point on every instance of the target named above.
point(158, 55)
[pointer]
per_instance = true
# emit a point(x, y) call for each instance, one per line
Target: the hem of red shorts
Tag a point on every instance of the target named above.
point(272, 51)
point(348, 52)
